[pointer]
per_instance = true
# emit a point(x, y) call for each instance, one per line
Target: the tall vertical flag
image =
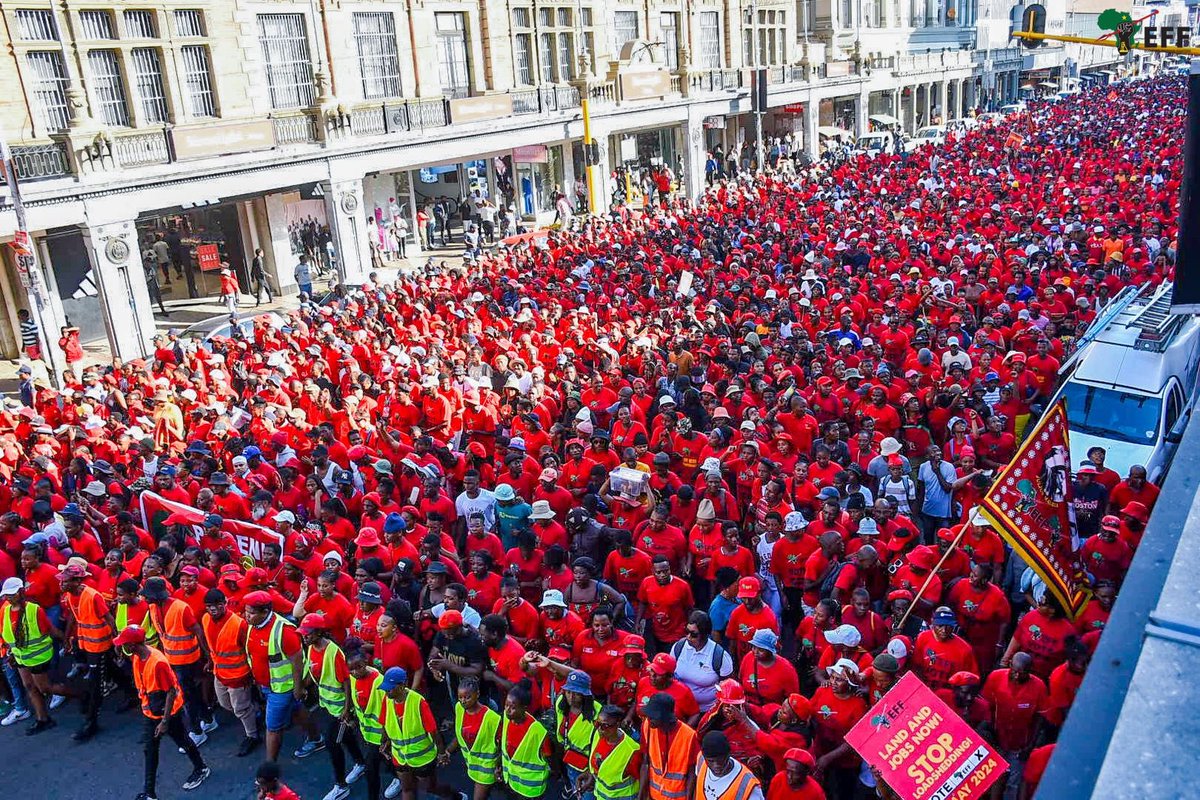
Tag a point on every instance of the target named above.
point(1030, 504)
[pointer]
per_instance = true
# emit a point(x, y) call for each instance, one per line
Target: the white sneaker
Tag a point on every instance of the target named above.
point(338, 792)
point(197, 739)
point(56, 701)
point(393, 789)
point(355, 773)
point(209, 727)
point(14, 717)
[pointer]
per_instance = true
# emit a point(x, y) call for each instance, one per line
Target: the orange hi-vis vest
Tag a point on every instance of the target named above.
point(91, 630)
point(179, 644)
point(743, 784)
point(146, 678)
point(231, 666)
point(670, 764)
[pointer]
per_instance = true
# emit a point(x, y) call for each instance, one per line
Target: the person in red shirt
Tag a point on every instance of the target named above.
point(660, 677)
point(190, 591)
point(838, 707)
point(1042, 633)
point(656, 537)
point(751, 615)
point(795, 781)
point(597, 649)
point(394, 648)
point(939, 652)
point(483, 585)
point(314, 633)
point(1106, 556)
point(664, 601)
point(983, 611)
point(338, 611)
point(1134, 487)
point(505, 654)
point(626, 566)
point(767, 678)
point(521, 615)
point(269, 784)
point(1019, 699)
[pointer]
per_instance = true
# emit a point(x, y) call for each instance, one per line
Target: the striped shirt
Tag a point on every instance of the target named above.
point(29, 333)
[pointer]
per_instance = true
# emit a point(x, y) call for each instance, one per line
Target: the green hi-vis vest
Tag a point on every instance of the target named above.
point(482, 758)
point(412, 745)
point(38, 647)
point(526, 771)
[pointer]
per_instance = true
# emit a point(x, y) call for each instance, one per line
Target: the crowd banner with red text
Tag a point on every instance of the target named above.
point(250, 538)
point(1030, 504)
point(922, 748)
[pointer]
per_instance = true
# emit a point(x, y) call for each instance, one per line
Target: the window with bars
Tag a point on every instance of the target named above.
point(48, 88)
point(141, 25)
point(189, 22)
point(668, 23)
point(197, 81)
point(36, 25)
point(522, 47)
point(453, 63)
point(566, 56)
point(97, 25)
point(556, 34)
point(625, 29)
point(772, 47)
point(284, 39)
point(108, 86)
point(148, 78)
point(546, 56)
point(378, 56)
point(710, 39)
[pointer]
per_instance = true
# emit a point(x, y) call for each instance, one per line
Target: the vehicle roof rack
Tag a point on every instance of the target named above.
point(1156, 324)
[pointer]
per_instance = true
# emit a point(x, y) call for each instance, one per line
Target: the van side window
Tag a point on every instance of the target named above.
point(1174, 408)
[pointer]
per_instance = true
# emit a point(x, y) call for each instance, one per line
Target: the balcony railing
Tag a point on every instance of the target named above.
point(38, 162)
point(142, 148)
point(296, 128)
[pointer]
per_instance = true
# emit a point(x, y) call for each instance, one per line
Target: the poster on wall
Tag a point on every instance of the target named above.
point(307, 225)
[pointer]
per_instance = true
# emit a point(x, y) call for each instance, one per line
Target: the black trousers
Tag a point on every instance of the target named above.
point(373, 760)
point(337, 752)
point(101, 666)
point(193, 701)
point(151, 742)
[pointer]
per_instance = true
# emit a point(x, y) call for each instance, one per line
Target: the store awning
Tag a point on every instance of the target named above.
point(830, 132)
point(1048, 85)
point(884, 119)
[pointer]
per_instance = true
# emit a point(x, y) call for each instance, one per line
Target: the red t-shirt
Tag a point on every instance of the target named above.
point(685, 702)
point(597, 660)
point(338, 611)
point(834, 716)
point(626, 573)
point(401, 651)
point(935, 661)
point(506, 659)
point(768, 683)
point(1014, 707)
point(788, 560)
point(562, 632)
point(667, 607)
point(780, 790)
point(340, 673)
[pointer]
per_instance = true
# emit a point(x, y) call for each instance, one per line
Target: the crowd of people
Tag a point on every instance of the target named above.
point(657, 507)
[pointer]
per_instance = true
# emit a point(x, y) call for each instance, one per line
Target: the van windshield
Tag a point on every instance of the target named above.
point(1111, 414)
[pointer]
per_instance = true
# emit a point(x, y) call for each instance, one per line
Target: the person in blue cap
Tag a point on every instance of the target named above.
point(575, 716)
point(412, 738)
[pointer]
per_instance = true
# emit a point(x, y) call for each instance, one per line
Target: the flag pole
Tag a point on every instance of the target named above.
point(953, 546)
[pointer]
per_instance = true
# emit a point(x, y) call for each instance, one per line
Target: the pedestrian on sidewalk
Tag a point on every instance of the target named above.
point(303, 274)
point(258, 278)
point(229, 288)
point(151, 273)
point(72, 349)
point(162, 706)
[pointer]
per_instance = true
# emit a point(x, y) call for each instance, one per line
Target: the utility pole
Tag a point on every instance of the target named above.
point(27, 265)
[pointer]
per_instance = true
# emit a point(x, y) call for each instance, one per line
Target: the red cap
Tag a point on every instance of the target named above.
point(634, 644)
point(923, 557)
point(132, 634)
point(257, 599)
point(748, 587)
point(1136, 510)
point(450, 619)
point(900, 594)
point(1110, 523)
point(964, 678)
point(946, 534)
point(730, 692)
point(800, 706)
point(356, 452)
point(662, 664)
point(313, 622)
point(368, 537)
point(476, 449)
point(800, 756)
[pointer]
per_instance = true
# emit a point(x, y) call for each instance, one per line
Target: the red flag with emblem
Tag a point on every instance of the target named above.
point(1030, 504)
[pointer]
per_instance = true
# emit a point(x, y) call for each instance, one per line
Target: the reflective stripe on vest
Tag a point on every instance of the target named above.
point(484, 755)
point(179, 644)
point(739, 788)
point(579, 735)
point(612, 782)
point(330, 693)
point(38, 647)
point(526, 771)
point(230, 664)
point(412, 745)
point(278, 664)
point(121, 617)
point(368, 717)
point(143, 677)
point(668, 770)
point(91, 630)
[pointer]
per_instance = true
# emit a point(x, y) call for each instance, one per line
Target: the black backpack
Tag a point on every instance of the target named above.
point(830, 580)
point(718, 655)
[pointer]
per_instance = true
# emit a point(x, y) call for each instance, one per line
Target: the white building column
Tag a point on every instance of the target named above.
point(124, 300)
point(348, 224)
point(862, 111)
point(694, 154)
point(811, 118)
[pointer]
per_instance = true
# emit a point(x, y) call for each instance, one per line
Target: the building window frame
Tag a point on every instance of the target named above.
point(378, 54)
point(287, 60)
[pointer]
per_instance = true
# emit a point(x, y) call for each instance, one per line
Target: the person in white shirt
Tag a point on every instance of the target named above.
point(701, 663)
point(720, 776)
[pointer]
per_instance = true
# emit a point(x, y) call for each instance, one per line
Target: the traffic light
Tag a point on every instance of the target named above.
point(591, 153)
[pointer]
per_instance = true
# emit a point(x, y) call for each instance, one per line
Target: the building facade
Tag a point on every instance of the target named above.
point(158, 141)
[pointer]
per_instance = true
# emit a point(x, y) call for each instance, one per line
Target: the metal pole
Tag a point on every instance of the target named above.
point(1186, 296)
point(27, 264)
point(589, 168)
point(760, 154)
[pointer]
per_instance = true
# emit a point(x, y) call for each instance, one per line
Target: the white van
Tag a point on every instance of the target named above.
point(876, 143)
point(930, 134)
point(1129, 386)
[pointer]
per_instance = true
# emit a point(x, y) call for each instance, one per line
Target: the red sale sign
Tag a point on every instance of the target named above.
point(922, 748)
point(250, 538)
point(208, 257)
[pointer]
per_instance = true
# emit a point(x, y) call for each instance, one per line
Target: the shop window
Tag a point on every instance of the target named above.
point(284, 39)
point(378, 56)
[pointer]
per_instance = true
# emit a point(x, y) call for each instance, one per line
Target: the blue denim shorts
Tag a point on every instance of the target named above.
point(280, 708)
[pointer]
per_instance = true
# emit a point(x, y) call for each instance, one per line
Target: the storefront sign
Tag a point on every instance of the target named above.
point(531, 154)
point(924, 750)
point(222, 138)
point(838, 69)
point(474, 109)
point(643, 85)
point(793, 108)
point(714, 122)
point(208, 257)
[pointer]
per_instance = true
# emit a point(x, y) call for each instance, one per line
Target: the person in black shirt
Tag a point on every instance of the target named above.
point(457, 650)
point(1090, 501)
